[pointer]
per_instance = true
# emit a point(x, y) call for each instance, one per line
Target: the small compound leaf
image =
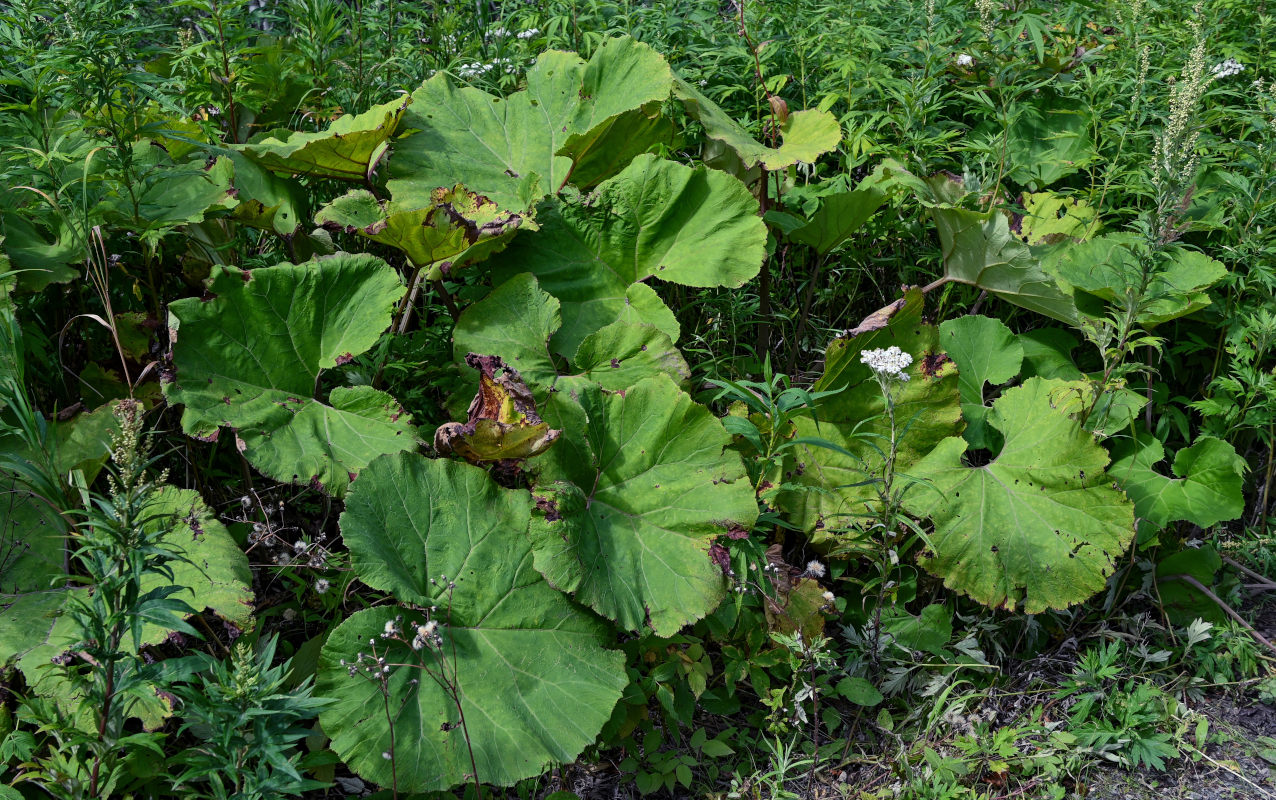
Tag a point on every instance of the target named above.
point(628, 531)
point(347, 150)
point(656, 219)
point(1041, 524)
point(534, 679)
point(250, 359)
point(503, 424)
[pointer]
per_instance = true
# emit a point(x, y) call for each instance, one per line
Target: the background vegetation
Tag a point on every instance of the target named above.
point(702, 530)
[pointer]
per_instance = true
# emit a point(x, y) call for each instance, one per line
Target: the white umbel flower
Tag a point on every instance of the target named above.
point(1228, 68)
point(529, 33)
point(890, 362)
point(965, 60)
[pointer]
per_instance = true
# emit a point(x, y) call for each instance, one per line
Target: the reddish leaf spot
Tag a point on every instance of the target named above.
point(719, 555)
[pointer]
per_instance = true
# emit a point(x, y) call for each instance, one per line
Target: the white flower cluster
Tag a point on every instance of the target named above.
point(529, 33)
point(1228, 68)
point(475, 69)
point(890, 362)
point(965, 60)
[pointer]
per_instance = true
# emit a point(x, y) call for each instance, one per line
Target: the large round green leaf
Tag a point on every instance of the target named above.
point(1108, 267)
point(980, 250)
point(837, 489)
point(517, 320)
point(1207, 489)
point(806, 135)
point(447, 228)
point(656, 219)
point(508, 148)
point(534, 679)
point(250, 359)
point(627, 511)
point(1049, 139)
point(1041, 524)
point(347, 150)
point(986, 352)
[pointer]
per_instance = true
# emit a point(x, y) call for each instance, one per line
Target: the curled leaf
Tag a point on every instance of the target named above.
point(503, 423)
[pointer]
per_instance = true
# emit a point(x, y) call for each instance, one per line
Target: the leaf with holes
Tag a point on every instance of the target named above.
point(448, 228)
point(626, 512)
point(535, 680)
point(250, 360)
point(656, 219)
point(1040, 525)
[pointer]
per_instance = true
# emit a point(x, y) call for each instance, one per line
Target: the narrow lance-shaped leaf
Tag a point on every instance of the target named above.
point(250, 358)
point(213, 574)
point(529, 667)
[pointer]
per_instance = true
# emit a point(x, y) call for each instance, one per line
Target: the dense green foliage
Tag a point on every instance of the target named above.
point(657, 383)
